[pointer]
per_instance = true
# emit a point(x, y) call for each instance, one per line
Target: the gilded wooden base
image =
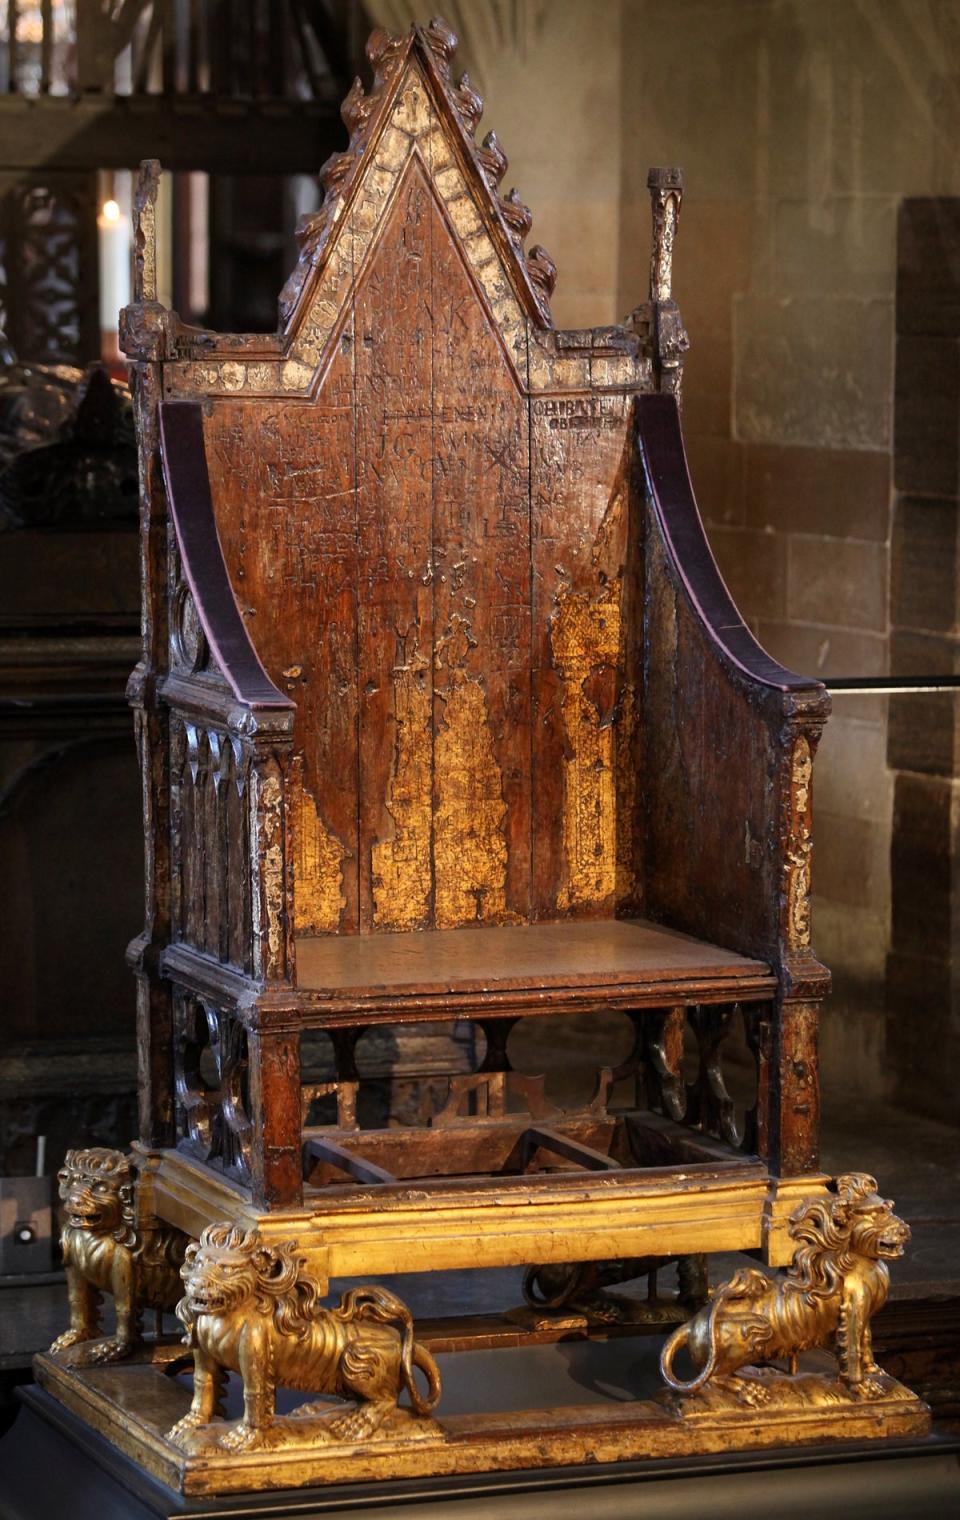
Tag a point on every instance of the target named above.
point(452, 1224)
point(135, 1403)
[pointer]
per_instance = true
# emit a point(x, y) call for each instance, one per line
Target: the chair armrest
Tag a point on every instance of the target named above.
point(187, 481)
point(231, 733)
point(729, 740)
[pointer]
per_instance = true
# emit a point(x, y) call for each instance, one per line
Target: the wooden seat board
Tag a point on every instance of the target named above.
point(593, 953)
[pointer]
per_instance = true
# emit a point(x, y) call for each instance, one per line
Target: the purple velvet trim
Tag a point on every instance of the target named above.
point(668, 479)
point(191, 506)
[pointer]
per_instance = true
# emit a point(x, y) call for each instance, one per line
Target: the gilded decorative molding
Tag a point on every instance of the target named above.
point(250, 1307)
point(106, 1249)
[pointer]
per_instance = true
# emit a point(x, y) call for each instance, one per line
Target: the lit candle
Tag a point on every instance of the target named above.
point(114, 265)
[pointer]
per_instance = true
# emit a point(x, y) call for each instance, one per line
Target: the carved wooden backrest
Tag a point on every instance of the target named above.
point(425, 502)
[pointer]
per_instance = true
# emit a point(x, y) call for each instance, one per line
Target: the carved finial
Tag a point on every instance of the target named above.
point(469, 103)
point(666, 195)
point(669, 335)
point(542, 270)
point(383, 51)
point(518, 217)
point(442, 41)
point(145, 231)
point(493, 160)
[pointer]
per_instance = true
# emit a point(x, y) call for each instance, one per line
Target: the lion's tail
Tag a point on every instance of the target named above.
point(677, 1341)
point(415, 1355)
point(383, 1306)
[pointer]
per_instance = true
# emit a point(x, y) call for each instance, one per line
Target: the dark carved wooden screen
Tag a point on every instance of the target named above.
point(426, 509)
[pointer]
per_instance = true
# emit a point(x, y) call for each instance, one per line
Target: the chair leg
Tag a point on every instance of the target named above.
point(794, 1109)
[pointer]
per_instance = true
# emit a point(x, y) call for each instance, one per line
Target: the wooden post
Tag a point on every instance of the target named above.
point(274, 1075)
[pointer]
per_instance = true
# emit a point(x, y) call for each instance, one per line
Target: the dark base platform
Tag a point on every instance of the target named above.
point(53, 1465)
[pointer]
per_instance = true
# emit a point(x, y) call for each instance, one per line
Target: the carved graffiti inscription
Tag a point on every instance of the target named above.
point(396, 566)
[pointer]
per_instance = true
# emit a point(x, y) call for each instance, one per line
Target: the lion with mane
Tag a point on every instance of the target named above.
point(837, 1281)
point(249, 1307)
point(105, 1252)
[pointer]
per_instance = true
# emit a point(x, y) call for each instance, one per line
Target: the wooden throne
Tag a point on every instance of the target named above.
point(445, 713)
point(446, 717)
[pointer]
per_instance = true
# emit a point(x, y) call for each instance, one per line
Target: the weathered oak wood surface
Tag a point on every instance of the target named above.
point(445, 711)
point(540, 955)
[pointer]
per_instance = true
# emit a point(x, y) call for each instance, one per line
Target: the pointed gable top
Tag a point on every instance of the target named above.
point(394, 102)
point(414, 117)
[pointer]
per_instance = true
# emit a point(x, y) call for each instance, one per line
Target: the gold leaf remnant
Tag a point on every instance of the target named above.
point(585, 638)
point(317, 863)
point(401, 864)
point(470, 853)
point(799, 847)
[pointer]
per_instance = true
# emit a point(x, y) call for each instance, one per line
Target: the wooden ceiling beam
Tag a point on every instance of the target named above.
point(116, 132)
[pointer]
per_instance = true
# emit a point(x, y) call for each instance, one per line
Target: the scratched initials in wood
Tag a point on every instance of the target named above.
point(433, 571)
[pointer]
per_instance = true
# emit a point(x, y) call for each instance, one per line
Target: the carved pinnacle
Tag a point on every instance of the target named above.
point(518, 217)
point(442, 41)
point(666, 195)
point(145, 231)
point(356, 108)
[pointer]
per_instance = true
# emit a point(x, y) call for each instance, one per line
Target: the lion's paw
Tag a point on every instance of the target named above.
point(110, 1350)
point(874, 1386)
point(243, 1437)
point(66, 1340)
point(183, 1431)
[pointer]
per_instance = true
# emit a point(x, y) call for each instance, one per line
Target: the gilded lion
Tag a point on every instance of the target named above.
point(103, 1251)
point(249, 1307)
point(837, 1281)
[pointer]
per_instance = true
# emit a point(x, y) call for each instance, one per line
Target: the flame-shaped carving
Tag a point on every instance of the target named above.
point(518, 217)
point(469, 103)
point(383, 55)
point(493, 161)
point(542, 271)
point(384, 50)
point(356, 108)
point(442, 41)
